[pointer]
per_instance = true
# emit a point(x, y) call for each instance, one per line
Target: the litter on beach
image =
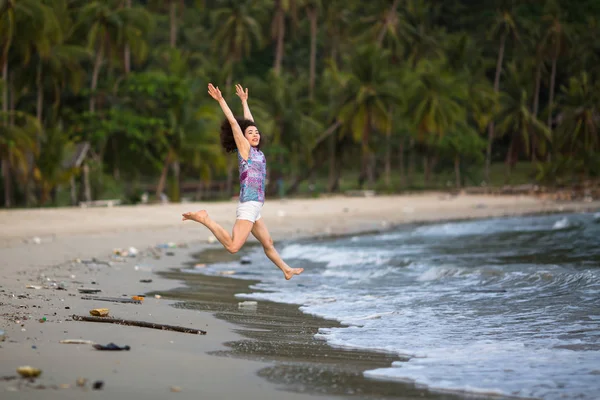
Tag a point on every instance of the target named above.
point(76, 341)
point(141, 324)
point(113, 299)
point(99, 312)
point(29, 372)
point(248, 304)
point(111, 347)
point(89, 291)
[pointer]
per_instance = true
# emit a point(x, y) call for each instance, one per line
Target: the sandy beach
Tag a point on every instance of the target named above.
point(40, 247)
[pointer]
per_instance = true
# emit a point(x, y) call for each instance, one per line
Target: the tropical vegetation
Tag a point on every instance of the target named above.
point(107, 98)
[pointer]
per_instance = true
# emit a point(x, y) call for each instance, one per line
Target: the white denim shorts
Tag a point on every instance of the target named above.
point(249, 210)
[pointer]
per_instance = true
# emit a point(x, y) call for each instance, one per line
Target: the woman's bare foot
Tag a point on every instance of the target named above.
point(198, 216)
point(289, 274)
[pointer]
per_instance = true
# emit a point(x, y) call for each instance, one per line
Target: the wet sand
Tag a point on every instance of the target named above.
point(38, 247)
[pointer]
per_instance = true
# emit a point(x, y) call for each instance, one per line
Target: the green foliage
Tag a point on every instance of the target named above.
point(130, 82)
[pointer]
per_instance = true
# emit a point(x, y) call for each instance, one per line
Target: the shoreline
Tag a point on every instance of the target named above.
point(23, 259)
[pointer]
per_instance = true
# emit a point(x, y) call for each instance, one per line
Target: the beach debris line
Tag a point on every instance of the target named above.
point(111, 347)
point(99, 312)
point(113, 299)
point(141, 324)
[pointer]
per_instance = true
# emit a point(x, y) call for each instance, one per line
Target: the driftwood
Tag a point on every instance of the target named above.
point(139, 323)
point(113, 299)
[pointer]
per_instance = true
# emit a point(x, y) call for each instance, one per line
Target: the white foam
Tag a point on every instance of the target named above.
point(561, 223)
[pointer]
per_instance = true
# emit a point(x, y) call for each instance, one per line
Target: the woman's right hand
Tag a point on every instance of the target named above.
point(243, 94)
point(214, 92)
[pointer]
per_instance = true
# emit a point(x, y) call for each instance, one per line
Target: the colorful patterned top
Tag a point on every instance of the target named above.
point(253, 173)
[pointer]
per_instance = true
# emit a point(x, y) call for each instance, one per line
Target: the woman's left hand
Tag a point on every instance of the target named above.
point(243, 94)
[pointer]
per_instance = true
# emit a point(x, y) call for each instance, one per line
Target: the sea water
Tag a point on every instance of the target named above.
point(507, 306)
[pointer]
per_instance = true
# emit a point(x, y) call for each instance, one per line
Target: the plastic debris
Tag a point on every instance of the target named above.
point(43, 319)
point(98, 385)
point(88, 291)
point(33, 287)
point(81, 382)
point(2, 335)
point(139, 298)
point(130, 252)
point(111, 347)
point(226, 272)
point(29, 372)
point(211, 239)
point(245, 260)
point(157, 296)
point(142, 268)
point(200, 265)
point(175, 389)
point(247, 304)
point(169, 245)
point(76, 341)
point(146, 280)
point(99, 312)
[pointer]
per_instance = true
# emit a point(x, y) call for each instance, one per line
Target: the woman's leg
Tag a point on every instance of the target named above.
point(260, 232)
point(234, 242)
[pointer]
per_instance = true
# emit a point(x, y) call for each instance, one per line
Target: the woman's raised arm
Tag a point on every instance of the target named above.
point(241, 142)
point(243, 95)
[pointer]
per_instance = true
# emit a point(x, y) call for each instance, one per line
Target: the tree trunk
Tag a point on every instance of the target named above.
point(160, 188)
point(73, 191)
point(95, 74)
point(116, 170)
point(6, 179)
point(332, 162)
point(175, 189)
point(127, 51)
point(536, 105)
point(280, 29)
point(365, 152)
point(5, 161)
point(173, 24)
point(552, 83)
point(411, 161)
point(312, 16)
point(388, 161)
point(401, 162)
point(488, 158)
point(87, 191)
point(457, 170)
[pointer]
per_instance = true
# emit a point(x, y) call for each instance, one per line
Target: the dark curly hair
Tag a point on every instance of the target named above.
point(227, 140)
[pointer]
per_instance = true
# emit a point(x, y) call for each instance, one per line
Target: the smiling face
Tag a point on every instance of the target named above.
point(253, 135)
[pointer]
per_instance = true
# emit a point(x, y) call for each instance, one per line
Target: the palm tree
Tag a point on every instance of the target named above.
point(109, 29)
point(367, 92)
point(282, 8)
point(517, 121)
point(237, 33)
point(313, 9)
point(579, 121)
point(556, 40)
point(17, 141)
point(436, 103)
point(506, 25)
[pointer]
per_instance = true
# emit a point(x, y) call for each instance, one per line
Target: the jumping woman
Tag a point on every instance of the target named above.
point(242, 136)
